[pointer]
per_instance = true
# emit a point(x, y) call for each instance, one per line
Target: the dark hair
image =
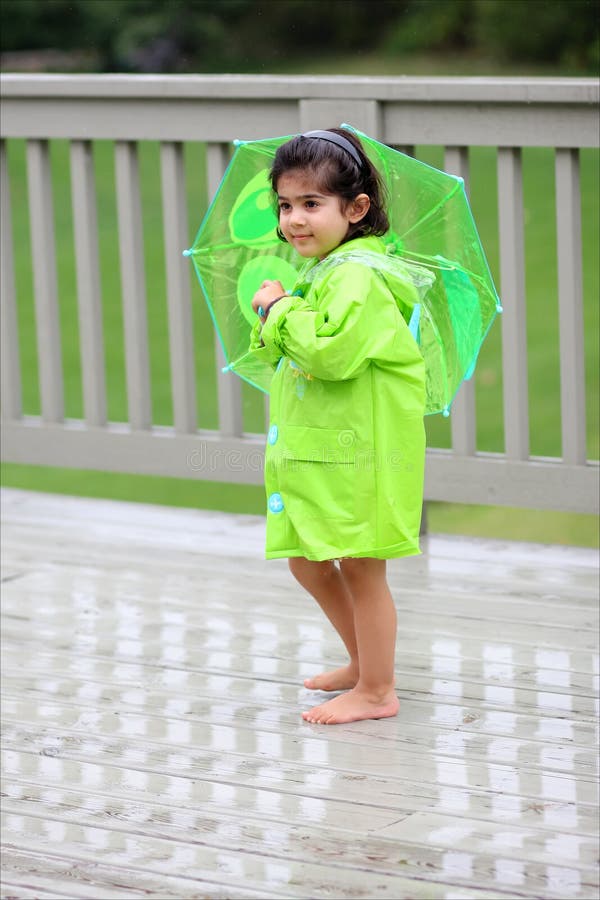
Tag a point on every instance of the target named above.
point(336, 173)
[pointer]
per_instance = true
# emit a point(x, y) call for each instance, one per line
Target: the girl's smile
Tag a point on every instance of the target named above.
point(313, 222)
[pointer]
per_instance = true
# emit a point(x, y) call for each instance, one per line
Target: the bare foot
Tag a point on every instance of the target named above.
point(341, 679)
point(352, 707)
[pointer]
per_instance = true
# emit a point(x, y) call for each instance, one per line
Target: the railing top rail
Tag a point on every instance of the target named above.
point(476, 89)
point(553, 112)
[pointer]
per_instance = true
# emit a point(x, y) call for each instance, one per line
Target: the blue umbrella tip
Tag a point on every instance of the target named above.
point(187, 253)
point(237, 143)
point(446, 412)
point(499, 308)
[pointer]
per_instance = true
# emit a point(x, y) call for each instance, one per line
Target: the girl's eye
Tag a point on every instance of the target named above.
point(311, 204)
point(284, 207)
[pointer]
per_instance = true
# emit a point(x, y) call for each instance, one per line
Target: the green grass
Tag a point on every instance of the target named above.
point(541, 325)
point(244, 498)
point(506, 523)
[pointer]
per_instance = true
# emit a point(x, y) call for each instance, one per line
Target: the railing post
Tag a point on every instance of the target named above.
point(363, 114)
point(181, 335)
point(133, 285)
point(462, 420)
point(514, 319)
point(85, 226)
point(9, 360)
point(43, 250)
point(228, 386)
point(570, 305)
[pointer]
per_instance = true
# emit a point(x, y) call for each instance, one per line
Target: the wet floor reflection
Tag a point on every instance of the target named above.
point(151, 718)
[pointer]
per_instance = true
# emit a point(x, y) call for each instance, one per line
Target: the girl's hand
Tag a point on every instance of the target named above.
point(268, 291)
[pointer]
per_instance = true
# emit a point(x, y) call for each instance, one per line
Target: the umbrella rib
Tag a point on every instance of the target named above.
point(211, 311)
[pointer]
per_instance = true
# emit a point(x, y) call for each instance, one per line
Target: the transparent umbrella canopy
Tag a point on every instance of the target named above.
point(432, 235)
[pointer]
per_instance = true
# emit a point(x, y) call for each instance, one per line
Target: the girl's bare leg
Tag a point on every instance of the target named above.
point(373, 696)
point(326, 584)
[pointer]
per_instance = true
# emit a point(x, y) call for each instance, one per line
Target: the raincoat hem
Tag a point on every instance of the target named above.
point(406, 548)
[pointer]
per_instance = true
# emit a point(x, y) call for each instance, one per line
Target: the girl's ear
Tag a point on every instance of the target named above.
point(358, 208)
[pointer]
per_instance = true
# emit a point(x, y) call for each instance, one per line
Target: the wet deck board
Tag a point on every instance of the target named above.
point(152, 739)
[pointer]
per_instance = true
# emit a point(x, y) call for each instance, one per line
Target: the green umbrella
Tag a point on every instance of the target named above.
point(432, 240)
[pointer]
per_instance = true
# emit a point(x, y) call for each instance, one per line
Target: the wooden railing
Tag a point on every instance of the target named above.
point(508, 114)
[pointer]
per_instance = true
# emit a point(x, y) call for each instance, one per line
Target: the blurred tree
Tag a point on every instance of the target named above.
point(540, 30)
point(183, 35)
point(433, 25)
point(180, 36)
point(549, 31)
point(31, 25)
point(234, 35)
point(251, 35)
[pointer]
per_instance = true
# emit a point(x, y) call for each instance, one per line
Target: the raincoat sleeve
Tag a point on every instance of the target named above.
point(353, 320)
point(268, 355)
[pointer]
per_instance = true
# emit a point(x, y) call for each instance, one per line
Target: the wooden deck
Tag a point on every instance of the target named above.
point(153, 745)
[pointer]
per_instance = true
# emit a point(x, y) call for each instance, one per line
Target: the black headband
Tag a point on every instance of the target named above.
point(342, 142)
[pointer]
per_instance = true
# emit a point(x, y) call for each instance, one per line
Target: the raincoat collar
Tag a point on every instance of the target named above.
point(370, 244)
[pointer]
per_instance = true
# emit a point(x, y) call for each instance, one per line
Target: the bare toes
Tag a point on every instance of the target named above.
point(352, 706)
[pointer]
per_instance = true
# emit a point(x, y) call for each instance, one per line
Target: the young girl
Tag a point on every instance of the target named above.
point(346, 445)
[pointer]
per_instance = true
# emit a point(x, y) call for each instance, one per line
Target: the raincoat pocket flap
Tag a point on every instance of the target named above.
point(325, 445)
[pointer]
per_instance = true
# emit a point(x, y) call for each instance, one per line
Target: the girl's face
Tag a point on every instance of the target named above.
point(313, 222)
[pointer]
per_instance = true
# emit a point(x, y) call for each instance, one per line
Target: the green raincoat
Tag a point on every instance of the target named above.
point(346, 444)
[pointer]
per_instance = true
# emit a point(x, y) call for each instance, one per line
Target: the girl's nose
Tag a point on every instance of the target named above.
point(297, 216)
